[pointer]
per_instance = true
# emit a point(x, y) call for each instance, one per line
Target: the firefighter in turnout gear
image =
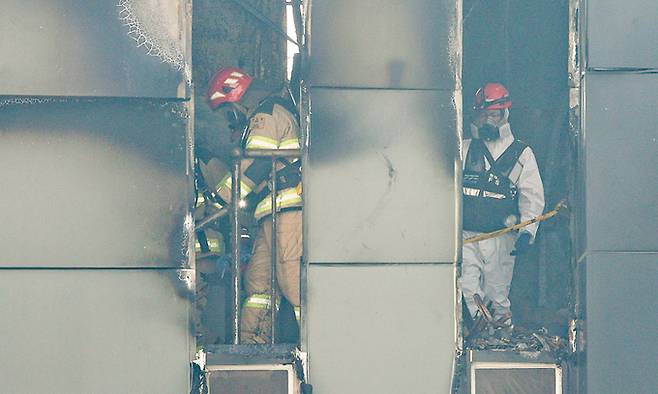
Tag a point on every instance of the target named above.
point(271, 125)
point(209, 243)
point(502, 186)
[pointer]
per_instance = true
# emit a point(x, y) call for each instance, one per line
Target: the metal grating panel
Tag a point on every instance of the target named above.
point(381, 328)
point(93, 331)
point(621, 147)
point(99, 183)
point(383, 44)
point(380, 178)
point(622, 33)
point(134, 48)
point(621, 340)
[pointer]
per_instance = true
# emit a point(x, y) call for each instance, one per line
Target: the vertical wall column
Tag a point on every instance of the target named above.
point(618, 247)
point(381, 195)
point(95, 161)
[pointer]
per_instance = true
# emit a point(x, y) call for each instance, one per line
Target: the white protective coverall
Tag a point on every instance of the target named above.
point(487, 265)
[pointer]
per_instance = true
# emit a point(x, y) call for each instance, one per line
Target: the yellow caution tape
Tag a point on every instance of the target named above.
point(498, 233)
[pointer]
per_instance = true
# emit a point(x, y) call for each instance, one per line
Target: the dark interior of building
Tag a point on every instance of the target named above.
point(524, 45)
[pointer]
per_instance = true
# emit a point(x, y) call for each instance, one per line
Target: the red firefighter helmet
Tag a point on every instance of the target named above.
point(228, 85)
point(492, 96)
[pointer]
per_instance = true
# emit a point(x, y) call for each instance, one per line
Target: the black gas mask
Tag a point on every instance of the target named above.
point(489, 132)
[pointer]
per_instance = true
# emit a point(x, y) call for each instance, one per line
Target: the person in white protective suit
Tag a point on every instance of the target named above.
point(502, 187)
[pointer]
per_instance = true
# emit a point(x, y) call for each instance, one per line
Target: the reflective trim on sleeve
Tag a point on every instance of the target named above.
point(258, 301)
point(201, 200)
point(292, 143)
point(227, 182)
point(214, 244)
point(260, 142)
point(286, 198)
point(298, 313)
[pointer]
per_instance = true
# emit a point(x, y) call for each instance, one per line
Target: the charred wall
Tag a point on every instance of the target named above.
point(617, 247)
point(95, 141)
point(381, 195)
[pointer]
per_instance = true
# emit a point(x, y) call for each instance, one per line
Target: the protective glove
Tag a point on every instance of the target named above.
point(522, 244)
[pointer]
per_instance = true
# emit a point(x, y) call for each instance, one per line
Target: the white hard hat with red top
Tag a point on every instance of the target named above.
point(228, 85)
point(492, 96)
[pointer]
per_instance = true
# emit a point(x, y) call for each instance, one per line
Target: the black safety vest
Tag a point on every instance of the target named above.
point(486, 213)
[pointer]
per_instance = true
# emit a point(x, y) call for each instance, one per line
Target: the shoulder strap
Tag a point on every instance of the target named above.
point(510, 157)
point(475, 156)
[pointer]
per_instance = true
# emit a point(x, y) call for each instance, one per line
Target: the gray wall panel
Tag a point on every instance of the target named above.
point(380, 177)
point(620, 152)
point(93, 48)
point(621, 338)
point(383, 43)
point(622, 33)
point(396, 335)
point(93, 331)
point(98, 183)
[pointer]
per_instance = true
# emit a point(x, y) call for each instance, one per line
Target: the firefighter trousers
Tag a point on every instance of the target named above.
point(255, 324)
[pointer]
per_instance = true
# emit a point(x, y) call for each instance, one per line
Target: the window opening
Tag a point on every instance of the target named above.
point(498, 51)
point(222, 142)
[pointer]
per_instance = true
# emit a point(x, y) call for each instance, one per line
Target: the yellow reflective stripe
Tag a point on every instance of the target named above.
point(258, 301)
point(244, 188)
point(290, 144)
point(223, 183)
point(298, 313)
point(260, 142)
point(214, 244)
point(286, 198)
point(201, 200)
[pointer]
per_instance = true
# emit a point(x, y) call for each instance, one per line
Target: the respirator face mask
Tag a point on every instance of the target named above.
point(489, 132)
point(489, 122)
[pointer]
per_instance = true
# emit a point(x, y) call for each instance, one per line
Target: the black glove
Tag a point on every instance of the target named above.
point(522, 244)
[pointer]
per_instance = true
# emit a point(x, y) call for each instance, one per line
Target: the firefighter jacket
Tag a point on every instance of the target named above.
point(208, 241)
point(272, 125)
point(510, 186)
